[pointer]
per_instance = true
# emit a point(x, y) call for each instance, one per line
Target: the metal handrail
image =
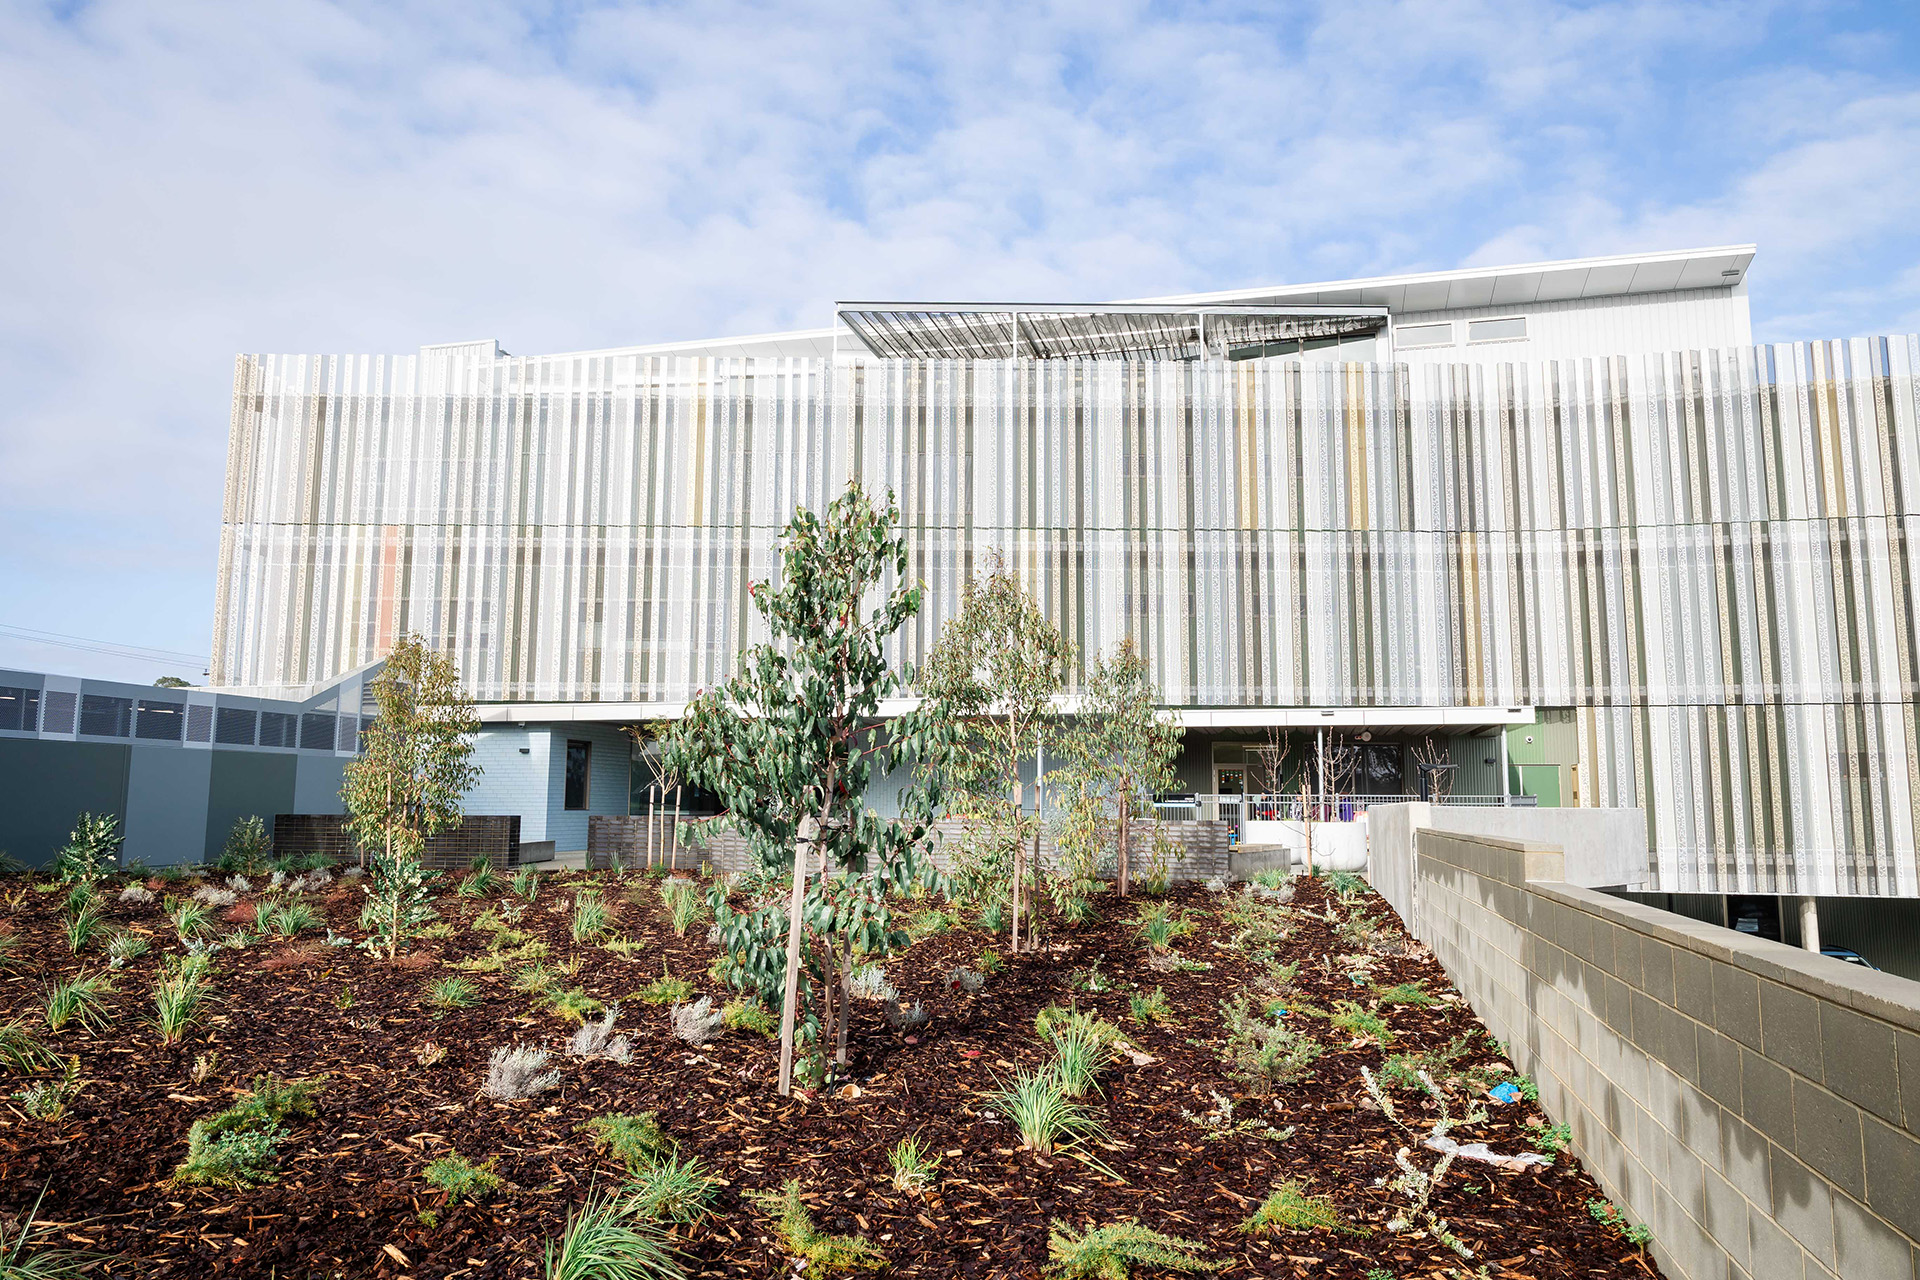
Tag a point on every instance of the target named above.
point(1288, 808)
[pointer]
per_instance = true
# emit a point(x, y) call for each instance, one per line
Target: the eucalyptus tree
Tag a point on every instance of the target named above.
point(1121, 747)
point(407, 783)
point(789, 744)
point(997, 666)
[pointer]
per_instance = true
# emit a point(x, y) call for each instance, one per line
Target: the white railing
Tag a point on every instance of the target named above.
point(1284, 808)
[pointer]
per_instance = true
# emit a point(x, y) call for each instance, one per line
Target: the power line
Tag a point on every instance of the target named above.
point(88, 644)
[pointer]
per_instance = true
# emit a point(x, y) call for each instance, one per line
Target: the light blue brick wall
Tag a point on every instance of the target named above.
point(607, 788)
point(510, 782)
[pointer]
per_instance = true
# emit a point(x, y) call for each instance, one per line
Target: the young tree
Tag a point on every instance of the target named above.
point(1121, 747)
point(789, 744)
point(415, 764)
point(997, 666)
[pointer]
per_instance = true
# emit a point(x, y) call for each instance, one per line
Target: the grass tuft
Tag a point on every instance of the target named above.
point(80, 999)
point(603, 1241)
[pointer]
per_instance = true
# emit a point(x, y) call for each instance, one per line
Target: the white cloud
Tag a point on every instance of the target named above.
point(183, 182)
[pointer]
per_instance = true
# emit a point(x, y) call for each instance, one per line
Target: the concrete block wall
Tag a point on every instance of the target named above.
point(1758, 1107)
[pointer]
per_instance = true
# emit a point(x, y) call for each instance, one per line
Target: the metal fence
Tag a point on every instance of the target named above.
point(1283, 808)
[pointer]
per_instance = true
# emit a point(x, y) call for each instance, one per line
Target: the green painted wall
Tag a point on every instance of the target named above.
point(45, 785)
point(1542, 756)
point(246, 782)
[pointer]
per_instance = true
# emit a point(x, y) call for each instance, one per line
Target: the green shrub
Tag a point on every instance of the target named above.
point(821, 1252)
point(1151, 1008)
point(746, 1014)
point(1361, 1024)
point(461, 1179)
point(636, 1141)
point(1111, 1252)
point(239, 1147)
point(667, 989)
point(1290, 1206)
point(678, 1190)
point(1265, 1055)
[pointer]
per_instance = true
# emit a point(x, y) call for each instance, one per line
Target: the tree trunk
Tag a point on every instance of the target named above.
point(1126, 863)
point(1019, 861)
point(789, 1008)
point(1034, 864)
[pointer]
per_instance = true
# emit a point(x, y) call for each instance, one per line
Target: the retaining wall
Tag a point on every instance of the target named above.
point(1755, 1105)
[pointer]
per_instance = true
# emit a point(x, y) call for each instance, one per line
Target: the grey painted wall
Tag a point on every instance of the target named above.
point(167, 793)
point(243, 783)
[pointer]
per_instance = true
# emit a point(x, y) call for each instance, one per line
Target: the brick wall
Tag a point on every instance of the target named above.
point(494, 837)
point(624, 838)
point(1755, 1105)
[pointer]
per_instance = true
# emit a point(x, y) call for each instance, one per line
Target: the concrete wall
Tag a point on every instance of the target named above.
point(1756, 1106)
point(1605, 848)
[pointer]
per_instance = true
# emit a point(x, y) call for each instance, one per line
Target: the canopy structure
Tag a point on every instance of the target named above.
point(1000, 331)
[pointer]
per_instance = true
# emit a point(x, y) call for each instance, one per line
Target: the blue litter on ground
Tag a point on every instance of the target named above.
point(1508, 1092)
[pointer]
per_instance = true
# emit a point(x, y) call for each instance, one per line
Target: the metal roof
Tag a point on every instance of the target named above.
point(1711, 268)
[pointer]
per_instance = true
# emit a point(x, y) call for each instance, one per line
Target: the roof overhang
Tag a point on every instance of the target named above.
point(1530, 282)
point(1058, 331)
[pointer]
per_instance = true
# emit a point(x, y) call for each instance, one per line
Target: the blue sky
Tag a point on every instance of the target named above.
point(181, 182)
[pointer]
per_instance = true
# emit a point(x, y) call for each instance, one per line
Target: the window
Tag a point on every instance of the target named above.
point(105, 717)
point(579, 768)
point(316, 731)
point(1424, 335)
point(233, 726)
point(160, 721)
point(19, 709)
point(276, 729)
point(1508, 329)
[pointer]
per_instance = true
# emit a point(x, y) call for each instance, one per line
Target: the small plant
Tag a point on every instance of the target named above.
point(685, 906)
point(290, 918)
point(1607, 1215)
point(596, 1039)
point(205, 1065)
point(670, 1188)
point(965, 979)
point(79, 999)
point(452, 993)
point(869, 982)
point(236, 940)
point(990, 962)
point(1159, 927)
point(1080, 1054)
point(177, 998)
point(123, 948)
point(461, 1179)
point(22, 1258)
point(1413, 993)
point(820, 1251)
point(1090, 979)
point(1361, 1024)
point(526, 883)
point(535, 980)
point(1265, 1055)
point(930, 922)
point(667, 989)
point(246, 849)
point(20, 1051)
point(91, 850)
point(518, 1071)
point(1048, 1119)
point(83, 924)
point(479, 882)
point(571, 1004)
point(590, 916)
point(603, 1241)
point(747, 1014)
point(1111, 1252)
point(49, 1099)
point(1527, 1087)
point(1290, 1206)
point(903, 1017)
point(1151, 1008)
point(189, 918)
point(698, 1022)
point(1345, 884)
point(1552, 1139)
point(636, 1141)
point(914, 1165)
point(238, 1147)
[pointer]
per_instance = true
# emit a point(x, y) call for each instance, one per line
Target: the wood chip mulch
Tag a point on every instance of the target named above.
point(350, 1197)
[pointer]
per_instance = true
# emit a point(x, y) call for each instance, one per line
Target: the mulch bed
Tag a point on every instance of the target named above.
point(350, 1194)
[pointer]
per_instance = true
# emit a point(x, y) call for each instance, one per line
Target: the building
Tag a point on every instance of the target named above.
point(1562, 519)
point(178, 766)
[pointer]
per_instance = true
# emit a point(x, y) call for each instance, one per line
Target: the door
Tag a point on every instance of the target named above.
point(1542, 782)
point(1229, 780)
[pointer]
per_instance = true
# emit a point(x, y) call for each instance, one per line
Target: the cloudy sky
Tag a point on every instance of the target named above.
point(182, 181)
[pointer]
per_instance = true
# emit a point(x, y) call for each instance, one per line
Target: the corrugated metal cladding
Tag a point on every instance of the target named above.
point(1706, 554)
point(1629, 324)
